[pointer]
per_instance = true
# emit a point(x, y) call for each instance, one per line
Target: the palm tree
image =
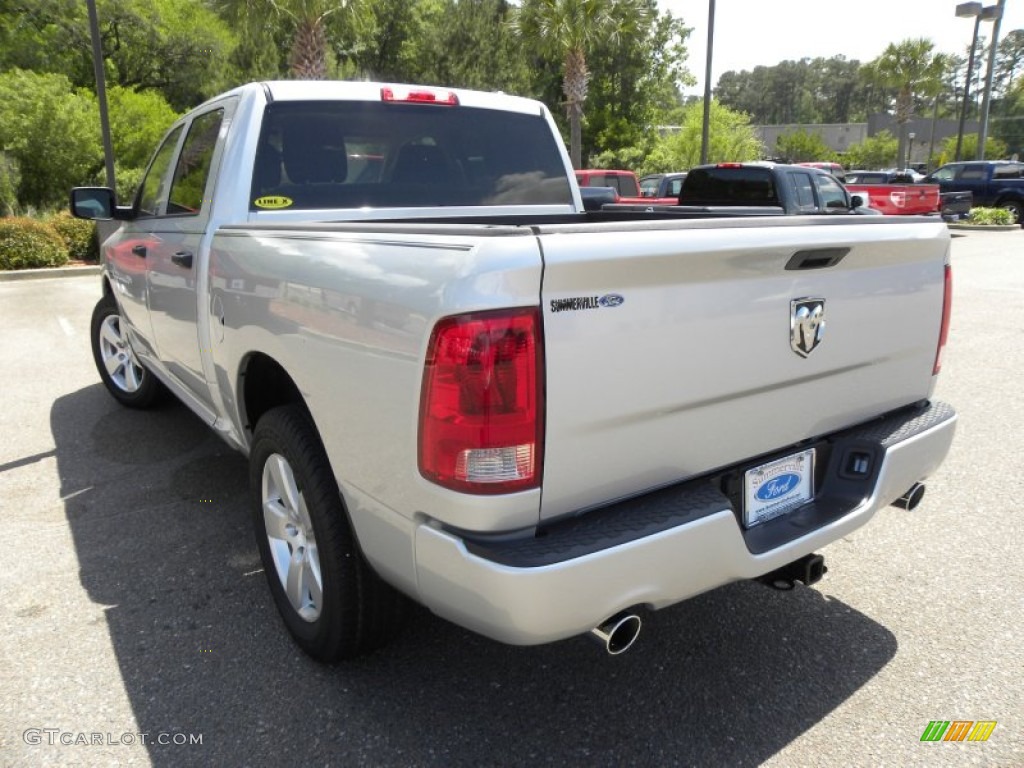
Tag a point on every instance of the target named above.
point(307, 57)
point(912, 70)
point(567, 29)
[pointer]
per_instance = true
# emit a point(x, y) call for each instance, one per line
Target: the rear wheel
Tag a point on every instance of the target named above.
point(127, 380)
point(1016, 209)
point(332, 602)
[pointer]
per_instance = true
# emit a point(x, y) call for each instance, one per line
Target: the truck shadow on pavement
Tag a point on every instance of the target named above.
point(159, 513)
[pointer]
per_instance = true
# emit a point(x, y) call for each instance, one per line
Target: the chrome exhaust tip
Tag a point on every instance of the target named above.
point(911, 498)
point(618, 633)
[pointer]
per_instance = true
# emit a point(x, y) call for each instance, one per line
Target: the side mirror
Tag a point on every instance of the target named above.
point(856, 201)
point(96, 203)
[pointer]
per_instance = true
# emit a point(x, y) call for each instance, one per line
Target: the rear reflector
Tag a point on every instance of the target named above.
point(398, 94)
point(947, 305)
point(481, 404)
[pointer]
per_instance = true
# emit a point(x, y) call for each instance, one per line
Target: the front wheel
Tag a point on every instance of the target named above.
point(331, 601)
point(127, 380)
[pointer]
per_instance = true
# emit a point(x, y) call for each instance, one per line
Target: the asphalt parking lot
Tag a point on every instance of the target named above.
point(136, 620)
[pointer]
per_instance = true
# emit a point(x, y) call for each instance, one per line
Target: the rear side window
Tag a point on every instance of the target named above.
point(354, 154)
point(729, 186)
point(1009, 171)
point(803, 190)
point(972, 173)
point(193, 168)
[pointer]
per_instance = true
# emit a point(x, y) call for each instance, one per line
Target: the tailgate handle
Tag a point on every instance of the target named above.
point(817, 258)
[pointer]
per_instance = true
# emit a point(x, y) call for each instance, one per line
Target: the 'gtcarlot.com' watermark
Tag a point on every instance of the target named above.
point(53, 736)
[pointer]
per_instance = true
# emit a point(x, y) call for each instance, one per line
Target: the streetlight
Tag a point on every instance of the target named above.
point(910, 149)
point(979, 14)
point(707, 85)
point(983, 133)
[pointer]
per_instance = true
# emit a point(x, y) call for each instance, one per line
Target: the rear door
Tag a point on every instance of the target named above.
point(172, 259)
point(670, 347)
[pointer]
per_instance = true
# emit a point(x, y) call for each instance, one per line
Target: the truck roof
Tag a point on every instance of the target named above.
point(352, 90)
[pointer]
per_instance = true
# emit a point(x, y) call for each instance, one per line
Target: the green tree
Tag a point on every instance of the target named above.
point(731, 139)
point(994, 148)
point(878, 151)
point(635, 78)
point(801, 146)
point(51, 130)
point(466, 44)
point(138, 119)
point(911, 70)
point(308, 30)
point(179, 47)
point(568, 30)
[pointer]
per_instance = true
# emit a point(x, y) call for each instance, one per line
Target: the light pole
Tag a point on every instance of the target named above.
point(983, 133)
point(101, 92)
point(707, 85)
point(910, 149)
point(967, 11)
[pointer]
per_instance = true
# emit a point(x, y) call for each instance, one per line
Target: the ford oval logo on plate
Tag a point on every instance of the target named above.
point(610, 300)
point(778, 487)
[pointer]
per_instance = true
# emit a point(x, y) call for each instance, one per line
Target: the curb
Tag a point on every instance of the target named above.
point(984, 227)
point(49, 272)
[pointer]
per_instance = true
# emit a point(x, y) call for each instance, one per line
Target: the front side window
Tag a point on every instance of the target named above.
point(832, 194)
point(193, 168)
point(153, 190)
point(316, 155)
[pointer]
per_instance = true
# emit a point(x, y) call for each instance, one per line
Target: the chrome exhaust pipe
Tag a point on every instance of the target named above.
point(911, 498)
point(618, 633)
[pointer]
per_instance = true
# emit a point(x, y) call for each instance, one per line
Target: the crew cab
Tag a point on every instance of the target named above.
point(662, 188)
point(456, 385)
point(992, 183)
point(624, 184)
point(788, 189)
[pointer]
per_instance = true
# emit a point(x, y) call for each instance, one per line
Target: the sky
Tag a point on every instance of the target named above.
point(751, 33)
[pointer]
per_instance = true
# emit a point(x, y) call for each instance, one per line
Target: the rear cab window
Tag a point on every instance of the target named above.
point(319, 155)
point(729, 186)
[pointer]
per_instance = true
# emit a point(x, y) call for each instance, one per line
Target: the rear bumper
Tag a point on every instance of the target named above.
point(669, 545)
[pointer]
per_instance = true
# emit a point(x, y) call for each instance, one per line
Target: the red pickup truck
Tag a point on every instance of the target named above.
point(625, 184)
point(893, 193)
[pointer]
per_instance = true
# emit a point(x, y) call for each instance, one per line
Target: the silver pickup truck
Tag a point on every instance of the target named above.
point(456, 384)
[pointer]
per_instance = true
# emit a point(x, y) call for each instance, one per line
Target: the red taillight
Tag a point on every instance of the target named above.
point(481, 408)
point(729, 165)
point(418, 96)
point(947, 305)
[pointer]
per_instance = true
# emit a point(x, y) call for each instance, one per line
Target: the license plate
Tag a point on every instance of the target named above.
point(777, 487)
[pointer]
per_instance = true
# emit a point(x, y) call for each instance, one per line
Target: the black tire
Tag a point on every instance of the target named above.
point(355, 612)
point(127, 380)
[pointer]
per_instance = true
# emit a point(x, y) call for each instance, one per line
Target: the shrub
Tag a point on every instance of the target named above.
point(78, 235)
point(27, 244)
point(990, 216)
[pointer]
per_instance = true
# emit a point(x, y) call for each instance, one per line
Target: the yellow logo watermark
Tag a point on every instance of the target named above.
point(958, 730)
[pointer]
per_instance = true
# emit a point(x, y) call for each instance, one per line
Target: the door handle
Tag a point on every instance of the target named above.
point(182, 259)
point(139, 250)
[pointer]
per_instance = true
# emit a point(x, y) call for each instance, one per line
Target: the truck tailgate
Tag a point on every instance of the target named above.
point(667, 358)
